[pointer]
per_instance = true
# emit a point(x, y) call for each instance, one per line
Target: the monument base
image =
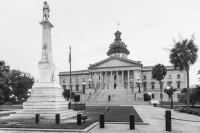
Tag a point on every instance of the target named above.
point(46, 101)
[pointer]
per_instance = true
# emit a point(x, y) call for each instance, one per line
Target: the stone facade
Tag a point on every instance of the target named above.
point(118, 72)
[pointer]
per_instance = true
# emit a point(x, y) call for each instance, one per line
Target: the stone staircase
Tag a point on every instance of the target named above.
point(118, 97)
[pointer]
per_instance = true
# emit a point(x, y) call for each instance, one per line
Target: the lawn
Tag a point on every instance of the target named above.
point(115, 114)
point(175, 107)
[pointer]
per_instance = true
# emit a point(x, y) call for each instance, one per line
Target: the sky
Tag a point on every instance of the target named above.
point(148, 28)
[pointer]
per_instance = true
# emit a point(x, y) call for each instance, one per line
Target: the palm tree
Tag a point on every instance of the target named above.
point(4, 72)
point(182, 55)
point(158, 73)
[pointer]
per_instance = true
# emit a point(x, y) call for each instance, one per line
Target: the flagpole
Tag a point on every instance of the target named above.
point(70, 74)
point(118, 26)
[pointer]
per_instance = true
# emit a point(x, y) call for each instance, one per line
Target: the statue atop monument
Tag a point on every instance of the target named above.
point(46, 11)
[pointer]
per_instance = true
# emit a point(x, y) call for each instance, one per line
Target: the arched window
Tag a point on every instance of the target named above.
point(64, 81)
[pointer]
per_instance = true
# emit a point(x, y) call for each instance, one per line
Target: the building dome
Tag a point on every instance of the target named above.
point(118, 47)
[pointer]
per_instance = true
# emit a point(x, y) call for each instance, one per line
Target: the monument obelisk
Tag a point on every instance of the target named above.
point(46, 95)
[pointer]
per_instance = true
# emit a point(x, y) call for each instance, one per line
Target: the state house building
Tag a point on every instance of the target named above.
point(119, 72)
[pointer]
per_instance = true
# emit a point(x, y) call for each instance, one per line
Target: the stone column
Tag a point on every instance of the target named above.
point(122, 79)
point(100, 80)
point(105, 77)
point(108, 80)
point(116, 81)
point(128, 79)
point(111, 80)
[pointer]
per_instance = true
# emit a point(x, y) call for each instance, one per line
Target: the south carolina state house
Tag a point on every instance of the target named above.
point(118, 72)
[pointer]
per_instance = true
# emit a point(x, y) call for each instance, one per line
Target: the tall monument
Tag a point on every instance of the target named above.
point(46, 96)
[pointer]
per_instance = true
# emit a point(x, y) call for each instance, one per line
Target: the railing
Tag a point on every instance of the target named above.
point(75, 72)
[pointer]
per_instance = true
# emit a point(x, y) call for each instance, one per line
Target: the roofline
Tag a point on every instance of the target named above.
point(124, 59)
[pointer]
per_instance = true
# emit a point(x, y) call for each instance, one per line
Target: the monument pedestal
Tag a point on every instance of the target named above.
point(46, 101)
point(46, 95)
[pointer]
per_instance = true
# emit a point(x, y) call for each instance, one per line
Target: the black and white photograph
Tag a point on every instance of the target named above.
point(99, 66)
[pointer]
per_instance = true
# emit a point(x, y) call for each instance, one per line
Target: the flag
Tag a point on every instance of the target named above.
point(118, 23)
point(69, 54)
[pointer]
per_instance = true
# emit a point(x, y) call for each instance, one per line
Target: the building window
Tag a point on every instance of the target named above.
point(99, 77)
point(64, 81)
point(131, 76)
point(169, 83)
point(144, 77)
point(178, 76)
point(152, 86)
point(178, 85)
point(76, 87)
point(84, 79)
point(169, 76)
point(76, 80)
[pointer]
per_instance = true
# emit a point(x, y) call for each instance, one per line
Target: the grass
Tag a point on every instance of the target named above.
point(175, 107)
point(115, 114)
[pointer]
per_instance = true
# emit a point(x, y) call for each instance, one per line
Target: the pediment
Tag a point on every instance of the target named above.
point(115, 62)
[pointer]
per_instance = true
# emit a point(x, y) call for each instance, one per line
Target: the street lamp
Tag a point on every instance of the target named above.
point(89, 80)
point(138, 83)
point(170, 92)
point(83, 84)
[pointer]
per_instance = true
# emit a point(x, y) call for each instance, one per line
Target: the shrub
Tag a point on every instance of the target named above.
point(147, 97)
point(190, 112)
point(198, 113)
point(77, 98)
point(195, 112)
point(184, 110)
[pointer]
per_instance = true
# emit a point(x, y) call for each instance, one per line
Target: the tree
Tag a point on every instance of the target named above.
point(20, 82)
point(66, 94)
point(158, 73)
point(194, 95)
point(182, 55)
point(4, 72)
point(170, 91)
point(184, 90)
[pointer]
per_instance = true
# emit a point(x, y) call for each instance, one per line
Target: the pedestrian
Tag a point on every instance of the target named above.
point(108, 97)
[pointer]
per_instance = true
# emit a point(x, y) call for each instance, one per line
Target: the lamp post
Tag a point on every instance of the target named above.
point(138, 83)
point(170, 93)
point(83, 84)
point(89, 80)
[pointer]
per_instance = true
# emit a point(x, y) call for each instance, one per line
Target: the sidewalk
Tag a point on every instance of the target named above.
point(149, 114)
point(155, 117)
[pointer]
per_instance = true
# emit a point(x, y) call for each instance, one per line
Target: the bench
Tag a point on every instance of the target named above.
point(83, 117)
point(154, 102)
point(180, 109)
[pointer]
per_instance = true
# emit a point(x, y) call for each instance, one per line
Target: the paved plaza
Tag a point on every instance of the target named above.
point(149, 114)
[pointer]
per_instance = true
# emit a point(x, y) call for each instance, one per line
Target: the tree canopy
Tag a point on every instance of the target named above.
point(20, 82)
point(14, 82)
point(158, 72)
point(182, 55)
point(194, 96)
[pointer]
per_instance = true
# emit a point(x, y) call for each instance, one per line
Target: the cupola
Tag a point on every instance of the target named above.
point(118, 47)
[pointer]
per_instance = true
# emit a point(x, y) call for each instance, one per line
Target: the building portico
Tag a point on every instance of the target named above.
point(114, 77)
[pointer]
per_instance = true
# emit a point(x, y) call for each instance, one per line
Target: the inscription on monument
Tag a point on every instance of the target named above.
point(44, 75)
